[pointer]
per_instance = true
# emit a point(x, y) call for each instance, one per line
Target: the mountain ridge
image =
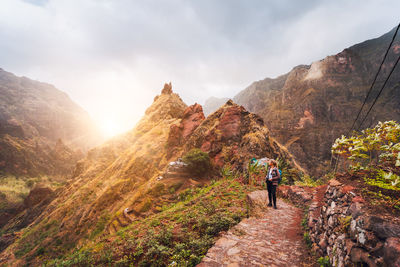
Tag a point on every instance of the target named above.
point(309, 107)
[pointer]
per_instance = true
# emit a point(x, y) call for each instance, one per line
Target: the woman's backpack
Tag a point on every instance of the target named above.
point(280, 176)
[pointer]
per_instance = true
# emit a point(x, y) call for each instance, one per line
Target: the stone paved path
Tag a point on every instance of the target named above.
point(273, 239)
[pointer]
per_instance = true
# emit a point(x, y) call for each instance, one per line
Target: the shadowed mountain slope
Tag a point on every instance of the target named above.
point(40, 128)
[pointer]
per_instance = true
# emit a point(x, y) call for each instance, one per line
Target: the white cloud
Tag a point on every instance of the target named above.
point(112, 57)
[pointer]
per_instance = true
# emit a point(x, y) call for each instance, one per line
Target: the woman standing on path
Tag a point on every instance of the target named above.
point(272, 179)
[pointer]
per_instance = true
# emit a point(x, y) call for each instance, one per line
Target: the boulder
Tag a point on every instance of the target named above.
point(257, 202)
point(359, 255)
point(391, 251)
point(382, 228)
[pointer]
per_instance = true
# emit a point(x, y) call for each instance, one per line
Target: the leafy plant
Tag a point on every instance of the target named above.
point(198, 161)
point(380, 142)
point(324, 261)
point(375, 150)
point(255, 173)
point(383, 179)
point(307, 180)
point(307, 239)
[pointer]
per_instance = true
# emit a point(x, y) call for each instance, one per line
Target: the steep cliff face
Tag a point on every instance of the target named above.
point(40, 128)
point(124, 181)
point(309, 107)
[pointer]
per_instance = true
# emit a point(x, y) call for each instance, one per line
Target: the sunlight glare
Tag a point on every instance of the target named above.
point(111, 128)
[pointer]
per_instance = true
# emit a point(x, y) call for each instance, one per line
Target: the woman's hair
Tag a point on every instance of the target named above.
point(273, 162)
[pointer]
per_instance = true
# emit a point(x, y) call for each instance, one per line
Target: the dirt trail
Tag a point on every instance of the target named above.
point(274, 239)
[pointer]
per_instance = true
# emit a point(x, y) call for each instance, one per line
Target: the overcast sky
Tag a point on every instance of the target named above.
point(113, 56)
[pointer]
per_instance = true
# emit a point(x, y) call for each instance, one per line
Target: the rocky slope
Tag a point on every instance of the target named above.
point(125, 180)
point(40, 128)
point(309, 107)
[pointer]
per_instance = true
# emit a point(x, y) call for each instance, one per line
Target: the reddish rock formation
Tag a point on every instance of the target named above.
point(192, 118)
point(128, 172)
point(233, 135)
point(229, 124)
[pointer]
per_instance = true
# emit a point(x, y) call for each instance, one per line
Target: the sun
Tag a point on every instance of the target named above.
point(110, 128)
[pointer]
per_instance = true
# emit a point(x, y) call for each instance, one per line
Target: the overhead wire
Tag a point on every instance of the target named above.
point(375, 78)
point(379, 94)
point(370, 90)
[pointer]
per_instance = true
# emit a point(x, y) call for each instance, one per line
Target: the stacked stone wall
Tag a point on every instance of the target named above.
point(340, 227)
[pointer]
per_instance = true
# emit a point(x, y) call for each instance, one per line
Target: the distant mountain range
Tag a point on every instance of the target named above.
point(42, 131)
point(312, 105)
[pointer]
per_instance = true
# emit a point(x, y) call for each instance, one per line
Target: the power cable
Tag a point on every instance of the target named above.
point(380, 92)
point(373, 83)
point(370, 90)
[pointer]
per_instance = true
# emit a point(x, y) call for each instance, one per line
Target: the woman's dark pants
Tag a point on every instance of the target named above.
point(271, 193)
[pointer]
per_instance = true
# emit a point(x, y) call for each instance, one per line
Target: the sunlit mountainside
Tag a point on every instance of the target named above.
point(125, 173)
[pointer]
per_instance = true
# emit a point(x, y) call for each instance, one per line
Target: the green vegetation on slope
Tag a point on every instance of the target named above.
point(180, 235)
point(374, 156)
point(376, 150)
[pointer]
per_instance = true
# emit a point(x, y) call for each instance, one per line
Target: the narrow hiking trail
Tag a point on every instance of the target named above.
point(275, 238)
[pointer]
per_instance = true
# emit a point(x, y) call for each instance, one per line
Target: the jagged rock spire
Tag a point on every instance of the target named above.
point(167, 90)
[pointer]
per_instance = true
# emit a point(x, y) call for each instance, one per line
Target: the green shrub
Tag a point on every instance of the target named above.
point(324, 261)
point(174, 187)
point(375, 150)
point(306, 180)
point(381, 143)
point(198, 161)
point(146, 206)
point(157, 190)
point(307, 239)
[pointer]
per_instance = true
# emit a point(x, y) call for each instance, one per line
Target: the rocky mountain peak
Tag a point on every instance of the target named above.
point(167, 90)
point(168, 105)
point(229, 102)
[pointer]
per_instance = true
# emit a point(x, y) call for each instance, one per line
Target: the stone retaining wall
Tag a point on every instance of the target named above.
point(339, 227)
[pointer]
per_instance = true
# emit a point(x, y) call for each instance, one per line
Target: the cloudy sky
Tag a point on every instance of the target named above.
point(113, 56)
